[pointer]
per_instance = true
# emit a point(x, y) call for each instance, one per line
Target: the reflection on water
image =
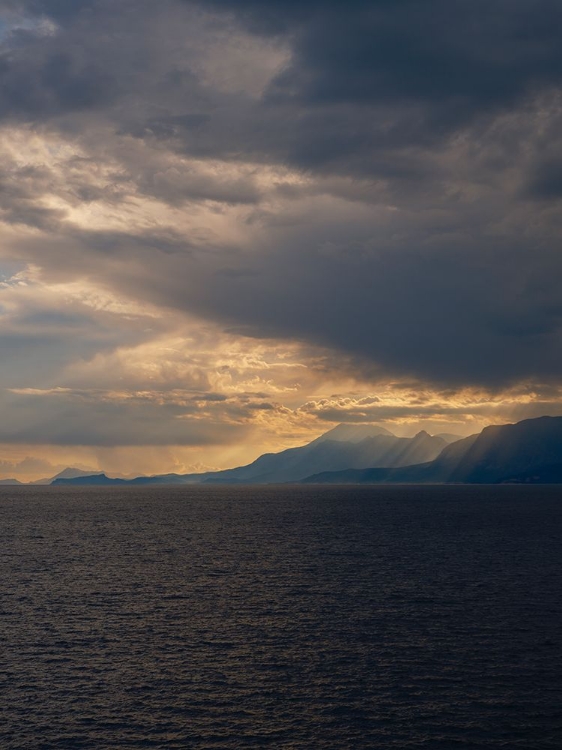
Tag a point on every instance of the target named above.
point(281, 617)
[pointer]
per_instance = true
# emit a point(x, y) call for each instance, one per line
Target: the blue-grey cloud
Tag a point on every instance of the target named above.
point(422, 237)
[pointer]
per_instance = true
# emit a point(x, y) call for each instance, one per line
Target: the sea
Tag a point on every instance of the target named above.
point(281, 617)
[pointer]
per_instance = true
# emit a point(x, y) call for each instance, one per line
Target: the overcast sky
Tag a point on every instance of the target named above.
point(227, 226)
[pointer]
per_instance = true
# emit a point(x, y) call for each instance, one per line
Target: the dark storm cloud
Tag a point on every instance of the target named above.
point(440, 316)
point(441, 114)
point(372, 88)
point(59, 83)
point(546, 180)
point(454, 57)
point(480, 53)
point(364, 77)
point(45, 71)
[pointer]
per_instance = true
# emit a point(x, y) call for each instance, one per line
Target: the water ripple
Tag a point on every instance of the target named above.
point(281, 618)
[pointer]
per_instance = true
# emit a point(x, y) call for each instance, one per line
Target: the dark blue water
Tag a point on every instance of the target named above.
point(281, 618)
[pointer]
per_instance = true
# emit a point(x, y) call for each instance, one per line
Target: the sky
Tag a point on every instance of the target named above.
point(228, 226)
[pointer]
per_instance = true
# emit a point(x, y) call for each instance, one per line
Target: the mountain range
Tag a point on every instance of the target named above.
point(526, 452)
point(344, 447)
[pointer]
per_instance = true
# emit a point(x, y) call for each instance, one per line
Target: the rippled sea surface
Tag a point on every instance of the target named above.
point(281, 617)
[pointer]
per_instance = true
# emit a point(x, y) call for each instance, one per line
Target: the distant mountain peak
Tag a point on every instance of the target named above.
point(353, 433)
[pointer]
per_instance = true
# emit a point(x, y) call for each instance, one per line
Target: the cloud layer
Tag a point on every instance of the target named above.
point(367, 191)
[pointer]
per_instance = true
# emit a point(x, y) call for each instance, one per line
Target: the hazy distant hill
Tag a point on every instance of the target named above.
point(90, 479)
point(529, 451)
point(68, 473)
point(10, 482)
point(346, 446)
